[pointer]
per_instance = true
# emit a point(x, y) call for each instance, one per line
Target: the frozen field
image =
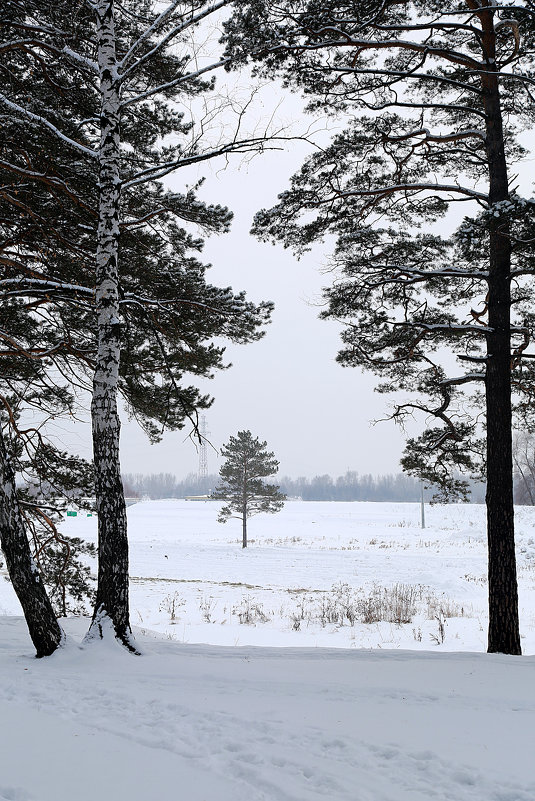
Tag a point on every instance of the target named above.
point(300, 723)
point(279, 591)
point(316, 574)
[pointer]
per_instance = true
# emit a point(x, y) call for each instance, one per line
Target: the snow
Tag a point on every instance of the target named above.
point(180, 553)
point(203, 721)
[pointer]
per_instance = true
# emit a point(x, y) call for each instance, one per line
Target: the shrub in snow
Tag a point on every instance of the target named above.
point(172, 604)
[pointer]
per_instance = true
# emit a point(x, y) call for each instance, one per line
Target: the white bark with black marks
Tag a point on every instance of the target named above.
point(43, 627)
point(112, 591)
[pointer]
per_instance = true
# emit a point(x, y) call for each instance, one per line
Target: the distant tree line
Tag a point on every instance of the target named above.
point(524, 467)
point(353, 487)
point(167, 485)
point(349, 487)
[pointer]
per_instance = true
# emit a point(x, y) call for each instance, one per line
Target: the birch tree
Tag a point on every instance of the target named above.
point(433, 95)
point(43, 627)
point(26, 456)
point(113, 73)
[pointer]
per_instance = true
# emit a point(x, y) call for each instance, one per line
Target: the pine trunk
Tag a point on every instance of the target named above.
point(503, 635)
point(44, 629)
point(244, 528)
point(112, 591)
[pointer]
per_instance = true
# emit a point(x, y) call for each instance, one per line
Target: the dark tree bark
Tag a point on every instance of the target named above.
point(44, 629)
point(504, 633)
point(461, 70)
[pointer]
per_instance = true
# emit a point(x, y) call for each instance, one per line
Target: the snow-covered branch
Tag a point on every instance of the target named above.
point(408, 75)
point(448, 272)
point(167, 305)
point(43, 177)
point(174, 83)
point(452, 56)
point(463, 379)
point(29, 284)
point(457, 328)
point(166, 15)
point(37, 120)
point(80, 60)
point(416, 187)
point(161, 170)
point(426, 136)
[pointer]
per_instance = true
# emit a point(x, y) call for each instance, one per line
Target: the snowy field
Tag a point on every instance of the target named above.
point(344, 575)
point(347, 710)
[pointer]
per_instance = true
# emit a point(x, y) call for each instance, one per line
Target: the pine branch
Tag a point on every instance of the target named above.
point(164, 87)
point(38, 121)
point(161, 20)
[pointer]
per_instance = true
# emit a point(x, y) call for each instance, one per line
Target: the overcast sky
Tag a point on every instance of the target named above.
point(287, 389)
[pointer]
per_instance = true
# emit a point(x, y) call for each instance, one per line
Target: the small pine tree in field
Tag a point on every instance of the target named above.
point(246, 494)
point(69, 581)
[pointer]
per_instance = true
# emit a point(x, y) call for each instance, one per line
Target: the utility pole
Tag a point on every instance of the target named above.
point(203, 451)
point(422, 505)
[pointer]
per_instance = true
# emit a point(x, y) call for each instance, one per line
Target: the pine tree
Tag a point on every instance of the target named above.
point(37, 480)
point(68, 578)
point(242, 488)
point(92, 120)
point(31, 350)
point(432, 95)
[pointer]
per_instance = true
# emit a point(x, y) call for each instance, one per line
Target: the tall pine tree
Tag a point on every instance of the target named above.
point(432, 95)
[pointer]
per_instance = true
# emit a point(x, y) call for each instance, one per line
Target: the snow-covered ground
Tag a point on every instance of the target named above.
point(314, 572)
point(202, 722)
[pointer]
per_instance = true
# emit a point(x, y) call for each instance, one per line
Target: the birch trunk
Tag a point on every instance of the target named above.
point(504, 634)
point(112, 592)
point(44, 629)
